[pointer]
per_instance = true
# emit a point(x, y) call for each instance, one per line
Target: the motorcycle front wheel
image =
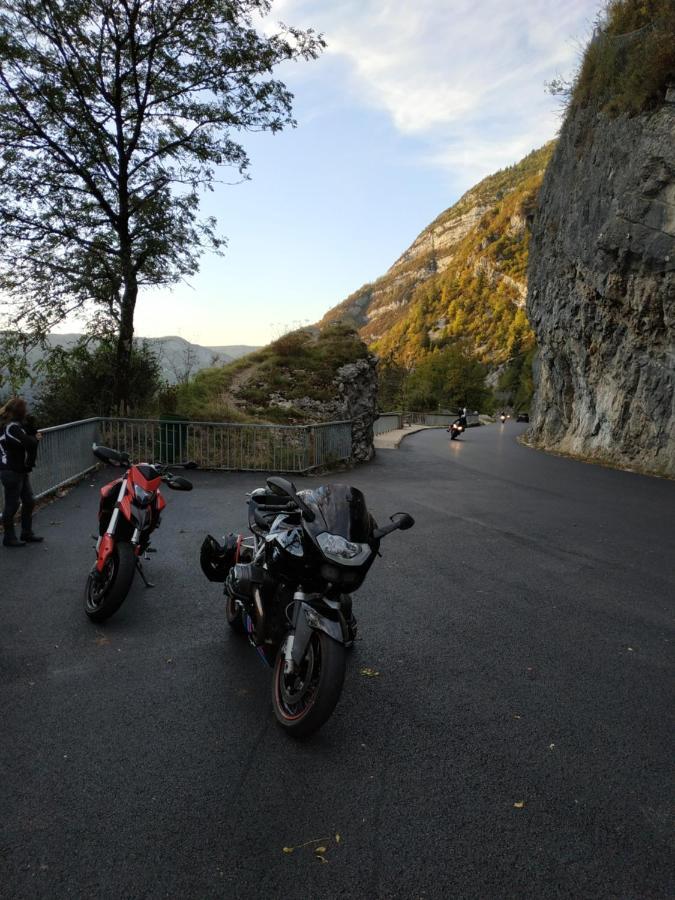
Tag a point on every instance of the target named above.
point(305, 699)
point(105, 593)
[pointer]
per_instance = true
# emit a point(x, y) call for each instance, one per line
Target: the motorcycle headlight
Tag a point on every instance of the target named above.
point(144, 497)
point(340, 550)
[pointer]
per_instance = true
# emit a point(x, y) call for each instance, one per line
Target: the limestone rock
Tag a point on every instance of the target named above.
point(601, 295)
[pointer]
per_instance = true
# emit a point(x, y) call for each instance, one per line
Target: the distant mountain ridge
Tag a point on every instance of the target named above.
point(463, 276)
point(178, 358)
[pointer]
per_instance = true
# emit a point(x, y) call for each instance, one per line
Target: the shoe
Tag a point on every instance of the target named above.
point(29, 538)
point(12, 542)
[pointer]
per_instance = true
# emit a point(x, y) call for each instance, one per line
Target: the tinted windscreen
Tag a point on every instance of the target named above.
point(339, 509)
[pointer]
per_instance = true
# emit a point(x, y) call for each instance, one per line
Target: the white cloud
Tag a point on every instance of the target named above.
point(465, 77)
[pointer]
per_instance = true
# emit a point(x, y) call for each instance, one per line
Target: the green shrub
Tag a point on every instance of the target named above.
point(80, 383)
point(630, 61)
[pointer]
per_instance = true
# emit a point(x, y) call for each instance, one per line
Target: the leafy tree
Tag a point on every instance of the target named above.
point(80, 383)
point(114, 115)
point(447, 378)
point(14, 367)
point(516, 384)
point(391, 380)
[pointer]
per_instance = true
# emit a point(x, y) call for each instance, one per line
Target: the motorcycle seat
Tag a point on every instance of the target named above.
point(269, 499)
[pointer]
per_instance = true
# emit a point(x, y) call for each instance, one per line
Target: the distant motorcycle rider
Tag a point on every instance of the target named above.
point(461, 413)
point(18, 453)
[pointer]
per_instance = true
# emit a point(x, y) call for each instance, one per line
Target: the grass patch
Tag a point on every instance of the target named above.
point(299, 364)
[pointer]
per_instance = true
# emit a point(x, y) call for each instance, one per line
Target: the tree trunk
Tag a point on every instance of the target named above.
point(125, 342)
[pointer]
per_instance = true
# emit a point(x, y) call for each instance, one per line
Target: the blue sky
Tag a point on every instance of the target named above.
point(411, 104)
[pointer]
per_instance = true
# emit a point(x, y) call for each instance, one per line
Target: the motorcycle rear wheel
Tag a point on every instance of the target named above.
point(105, 595)
point(305, 700)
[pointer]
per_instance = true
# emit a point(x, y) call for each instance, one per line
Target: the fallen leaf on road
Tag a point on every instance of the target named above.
point(368, 672)
point(320, 849)
point(337, 838)
point(551, 746)
point(306, 844)
point(101, 640)
point(519, 804)
point(322, 858)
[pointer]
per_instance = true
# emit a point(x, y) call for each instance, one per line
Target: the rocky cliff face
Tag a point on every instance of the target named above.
point(601, 294)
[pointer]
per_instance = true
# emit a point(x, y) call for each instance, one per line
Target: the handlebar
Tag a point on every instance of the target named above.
point(118, 458)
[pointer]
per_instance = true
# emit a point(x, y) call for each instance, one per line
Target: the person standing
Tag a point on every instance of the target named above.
point(18, 453)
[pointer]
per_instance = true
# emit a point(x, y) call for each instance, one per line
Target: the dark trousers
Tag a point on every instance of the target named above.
point(17, 491)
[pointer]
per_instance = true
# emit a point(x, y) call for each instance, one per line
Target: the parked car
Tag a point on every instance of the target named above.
point(522, 417)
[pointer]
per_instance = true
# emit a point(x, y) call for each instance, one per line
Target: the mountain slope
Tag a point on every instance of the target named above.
point(178, 358)
point(463, 277)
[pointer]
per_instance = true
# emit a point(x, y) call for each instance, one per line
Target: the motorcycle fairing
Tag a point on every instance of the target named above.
point(145, 476)
point(339, 509)
point(109, 488)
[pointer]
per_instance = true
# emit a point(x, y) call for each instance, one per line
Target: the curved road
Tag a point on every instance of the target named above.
point(516, 741)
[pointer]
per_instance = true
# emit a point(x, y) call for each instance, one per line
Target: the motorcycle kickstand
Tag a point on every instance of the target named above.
point(139, 567)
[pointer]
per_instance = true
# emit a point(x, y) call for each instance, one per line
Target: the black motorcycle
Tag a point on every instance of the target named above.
point(455, 429)
point(288, 588)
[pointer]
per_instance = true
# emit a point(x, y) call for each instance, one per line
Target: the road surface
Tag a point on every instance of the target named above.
point(515, 743)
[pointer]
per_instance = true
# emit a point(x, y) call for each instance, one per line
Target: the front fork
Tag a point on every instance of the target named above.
point(304, 621)
point(106, 543)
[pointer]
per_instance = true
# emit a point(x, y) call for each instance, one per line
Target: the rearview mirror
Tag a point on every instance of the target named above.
point(179, 484)
point(282, 486)
point(403, 521)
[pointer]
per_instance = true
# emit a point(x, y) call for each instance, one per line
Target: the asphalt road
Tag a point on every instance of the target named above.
point(515, 743)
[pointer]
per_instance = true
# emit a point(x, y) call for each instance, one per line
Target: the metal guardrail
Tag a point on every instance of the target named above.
point(392, 421)
point(387, 422)
point(64, 454)
point(231, 446)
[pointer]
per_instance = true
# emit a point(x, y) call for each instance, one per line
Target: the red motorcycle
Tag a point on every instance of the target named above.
point(129, 511)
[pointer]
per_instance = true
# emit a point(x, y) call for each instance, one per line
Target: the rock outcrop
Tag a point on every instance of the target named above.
point(355, 398)
point(306, 377)
point(601, 295)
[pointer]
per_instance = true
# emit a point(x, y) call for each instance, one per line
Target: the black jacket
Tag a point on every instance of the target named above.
point(18, 448)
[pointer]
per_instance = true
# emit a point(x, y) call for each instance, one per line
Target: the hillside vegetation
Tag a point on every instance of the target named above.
point(263, 385)
point(630, 60)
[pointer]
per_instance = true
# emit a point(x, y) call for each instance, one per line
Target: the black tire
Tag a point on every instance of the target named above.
point(304, 701)
point(234, 617)
point(101, 600)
